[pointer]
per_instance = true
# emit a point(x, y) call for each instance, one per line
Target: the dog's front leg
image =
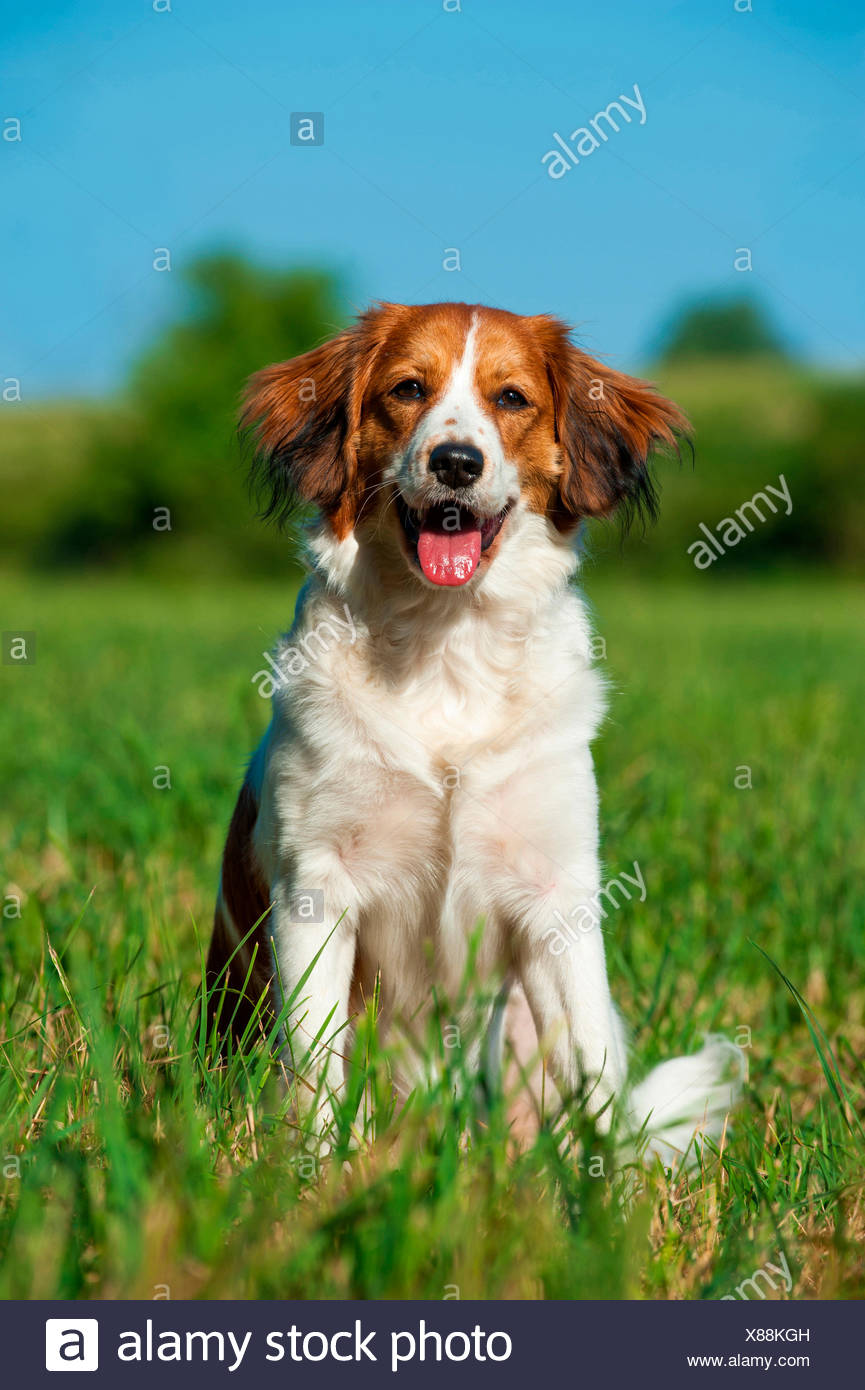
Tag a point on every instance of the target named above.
point(314, 964)
point(565, 980)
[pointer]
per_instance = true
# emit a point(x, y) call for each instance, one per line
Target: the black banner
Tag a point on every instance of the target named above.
point(427, 1344)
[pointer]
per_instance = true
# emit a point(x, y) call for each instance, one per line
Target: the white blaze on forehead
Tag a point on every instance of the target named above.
point(459, 402)
point(458, 417)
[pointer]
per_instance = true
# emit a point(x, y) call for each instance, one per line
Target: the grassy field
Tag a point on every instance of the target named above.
point(131, 1168)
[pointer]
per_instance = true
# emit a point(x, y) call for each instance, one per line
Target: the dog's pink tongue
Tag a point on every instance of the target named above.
point(448, 556)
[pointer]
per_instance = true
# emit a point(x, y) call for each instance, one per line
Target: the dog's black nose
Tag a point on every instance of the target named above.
point(456, 465)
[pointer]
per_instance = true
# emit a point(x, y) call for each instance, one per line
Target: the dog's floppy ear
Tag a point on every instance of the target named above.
point(302, 416)
point(607, 424)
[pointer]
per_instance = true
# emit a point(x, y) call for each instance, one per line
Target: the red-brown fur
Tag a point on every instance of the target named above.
point(239, 969)
point(324, 422)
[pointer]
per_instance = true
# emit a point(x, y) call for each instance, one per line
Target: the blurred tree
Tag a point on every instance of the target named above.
point(173, 445)
point(89, 483)
point(720, 327)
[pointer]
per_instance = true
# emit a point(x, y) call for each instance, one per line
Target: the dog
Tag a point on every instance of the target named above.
point(433, 770)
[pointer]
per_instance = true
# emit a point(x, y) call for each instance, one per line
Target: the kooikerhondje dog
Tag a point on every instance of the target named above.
point(435, 770)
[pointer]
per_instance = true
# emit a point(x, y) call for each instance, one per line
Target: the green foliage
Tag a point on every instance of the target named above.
point(174, 443)
point(81, 483)
point(128, 1162)
point(751, 426)
point(727, 326)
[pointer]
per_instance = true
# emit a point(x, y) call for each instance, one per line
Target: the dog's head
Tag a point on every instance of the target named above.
point(465, 419)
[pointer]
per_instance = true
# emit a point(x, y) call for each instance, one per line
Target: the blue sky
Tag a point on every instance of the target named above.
point(145, 128)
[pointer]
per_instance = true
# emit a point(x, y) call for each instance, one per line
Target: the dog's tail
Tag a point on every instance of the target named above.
point(683, 1103)
point(680, 1106)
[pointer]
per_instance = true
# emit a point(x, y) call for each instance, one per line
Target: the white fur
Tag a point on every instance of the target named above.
point(436, 771)
point(685, 1099)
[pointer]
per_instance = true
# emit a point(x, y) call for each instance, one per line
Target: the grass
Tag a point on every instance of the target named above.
point(132, 1168)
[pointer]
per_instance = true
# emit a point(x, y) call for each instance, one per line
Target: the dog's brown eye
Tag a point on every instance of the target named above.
point(408, 390)
point(511, 399)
